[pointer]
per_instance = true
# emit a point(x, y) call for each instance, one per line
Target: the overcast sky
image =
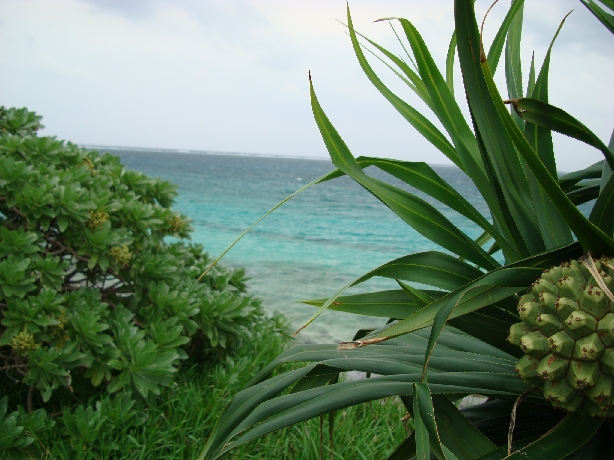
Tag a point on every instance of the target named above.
point(231, 75)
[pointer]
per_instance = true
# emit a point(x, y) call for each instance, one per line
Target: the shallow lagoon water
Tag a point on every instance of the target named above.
point(310, 247)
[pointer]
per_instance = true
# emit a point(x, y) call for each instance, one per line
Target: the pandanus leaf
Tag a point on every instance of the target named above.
point(556, 119)
point(554, 229)
point(385, 304)
point(424, 414)
point(457, 433)
point(407, 449)
point(445, 107)
point(450, 64)
point(498, 129)
point(478, 300)
point(406, 73)
point(429, 267)
point(564, 439)
point(424, 178)
point(427, 129)
point(604, 17)
point(508, 175)
point(568, 181)
point(459, 364)
point(416, 212)
point(511, 20)
point(513, 62)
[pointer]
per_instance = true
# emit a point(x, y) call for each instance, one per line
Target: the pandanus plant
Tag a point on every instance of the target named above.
point(523, 315)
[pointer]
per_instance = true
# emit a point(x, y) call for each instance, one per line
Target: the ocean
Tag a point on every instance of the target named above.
point(308, 248)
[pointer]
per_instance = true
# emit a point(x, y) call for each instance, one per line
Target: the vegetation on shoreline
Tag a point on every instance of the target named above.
point(101, 297)
point(213, 358)
point(181, 418)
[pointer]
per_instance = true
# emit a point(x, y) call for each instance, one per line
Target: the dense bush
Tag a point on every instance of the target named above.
point(97, 285)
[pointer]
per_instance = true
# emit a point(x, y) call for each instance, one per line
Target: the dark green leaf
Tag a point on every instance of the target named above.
point(558, 443)
point(422, 216)
point(584, 194)
point(551, 117)
point(602, 214)
point(423, 448)
point(425, 179)
point(605, 18)
point(594, 171)
point(496, 48)
point(513, 63)
point(450, 64)
point(486, 290)
point(496, 124)
point(457, 433)
point(407, 449)
point(552, 225)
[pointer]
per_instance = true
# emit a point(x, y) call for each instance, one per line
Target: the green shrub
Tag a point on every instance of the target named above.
point(93, 292)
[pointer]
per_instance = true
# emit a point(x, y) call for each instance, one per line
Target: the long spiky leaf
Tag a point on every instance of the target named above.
point(552, 225)
point(495, 122)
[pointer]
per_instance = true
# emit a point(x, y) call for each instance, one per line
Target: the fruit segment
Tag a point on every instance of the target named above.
point(529, 312)
point(565, 307)
point(580, 324)
point(535, 344)
point(594, 302)
point(544, 285)
point(552, 367)
point(562, 344)
point(583, 374)
point(548, 324)
point(570, 287)
point(588, 348)
point(517, 331)
point(605, 329)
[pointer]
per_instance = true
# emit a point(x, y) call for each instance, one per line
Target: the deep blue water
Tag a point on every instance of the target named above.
point(311, 246)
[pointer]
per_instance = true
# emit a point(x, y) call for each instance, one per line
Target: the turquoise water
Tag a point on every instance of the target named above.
point(311, 246)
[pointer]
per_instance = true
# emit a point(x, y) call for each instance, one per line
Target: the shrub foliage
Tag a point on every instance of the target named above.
point(97, 281)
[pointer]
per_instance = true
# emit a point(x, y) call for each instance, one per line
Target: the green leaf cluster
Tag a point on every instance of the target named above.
point(17, 429)
point(99, 286)
point(448, 322)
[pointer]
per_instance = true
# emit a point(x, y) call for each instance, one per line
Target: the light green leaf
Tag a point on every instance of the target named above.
point(415, 118)
point(385, 304)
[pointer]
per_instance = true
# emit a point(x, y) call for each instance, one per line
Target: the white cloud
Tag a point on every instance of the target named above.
point(232, 75)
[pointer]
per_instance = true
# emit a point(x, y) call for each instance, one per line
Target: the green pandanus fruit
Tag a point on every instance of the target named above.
point(567, 335)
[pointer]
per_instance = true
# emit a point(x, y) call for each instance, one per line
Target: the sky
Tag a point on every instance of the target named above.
point(231, 75)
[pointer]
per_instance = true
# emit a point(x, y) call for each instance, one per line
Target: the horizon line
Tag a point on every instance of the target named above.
point(211, 152)
point(197, 152)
